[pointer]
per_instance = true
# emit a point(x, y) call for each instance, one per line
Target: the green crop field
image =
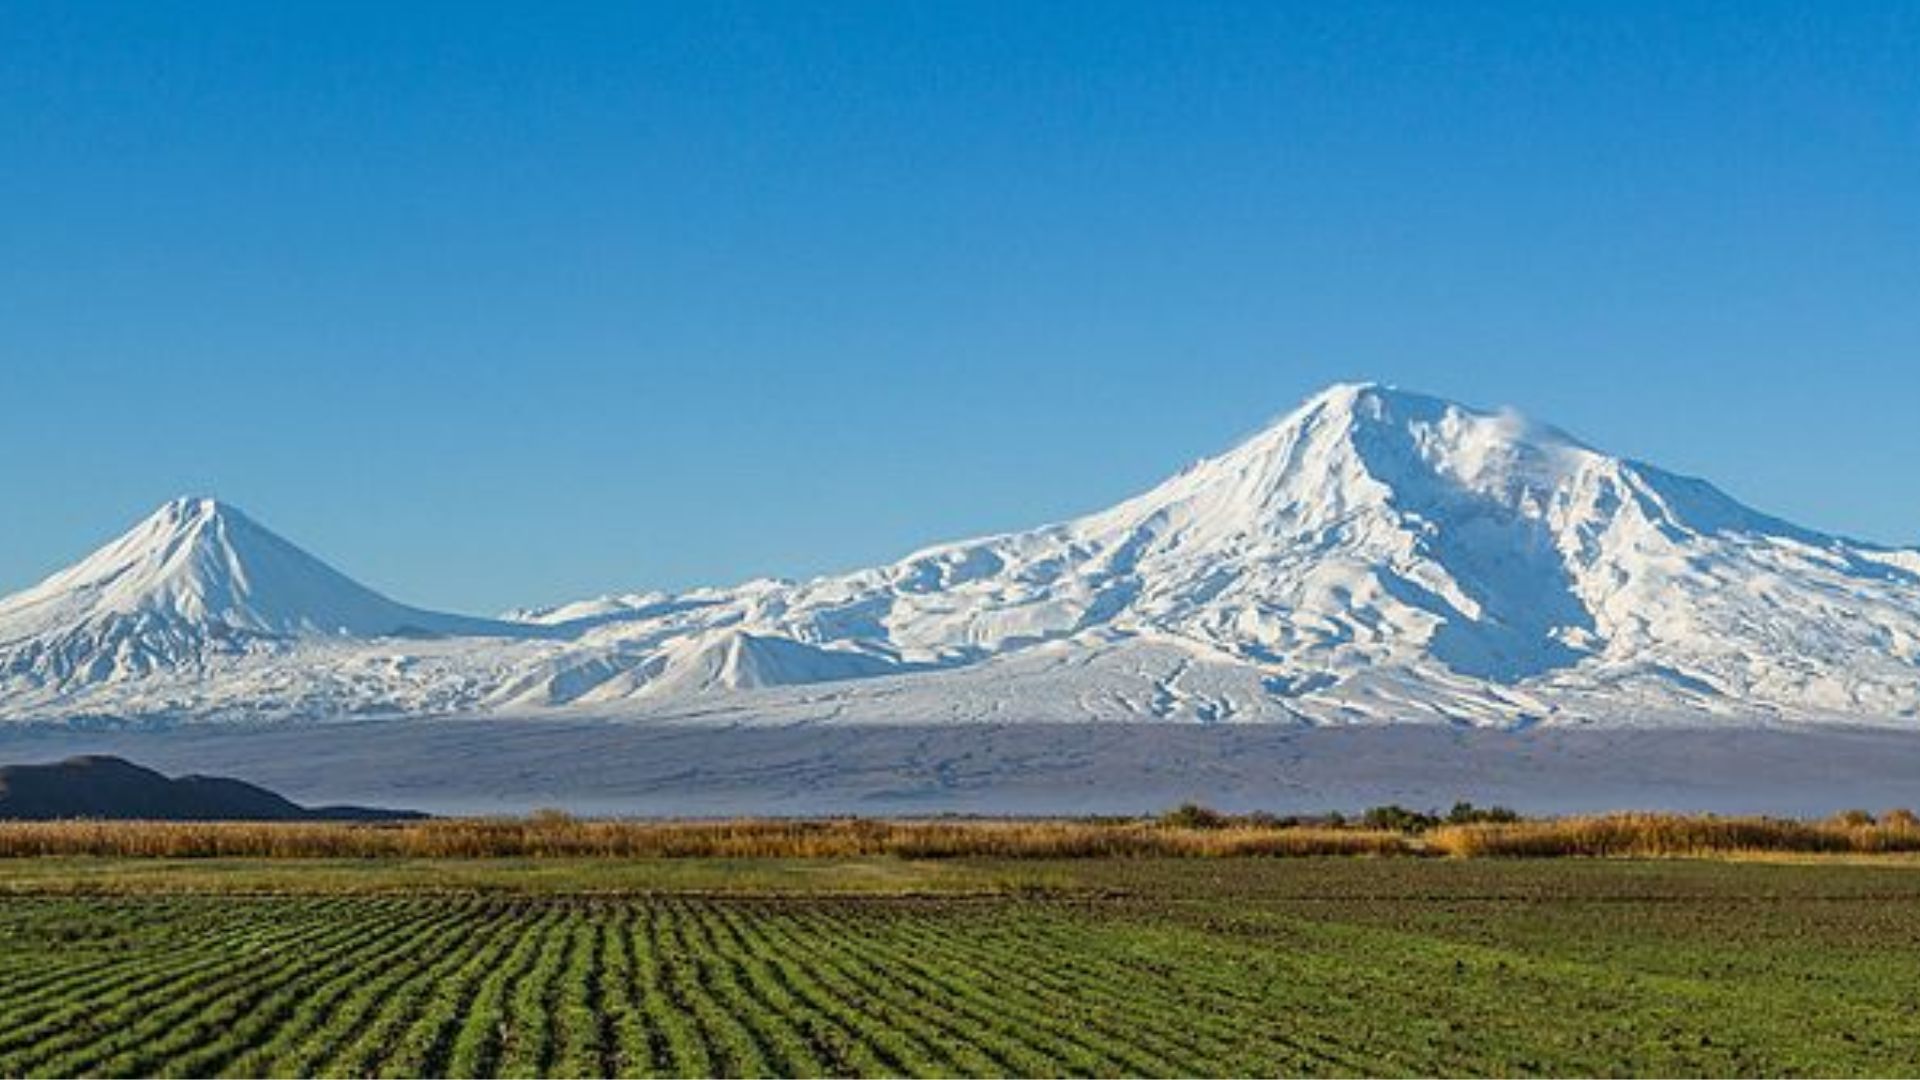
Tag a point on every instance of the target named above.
point(1160, 967)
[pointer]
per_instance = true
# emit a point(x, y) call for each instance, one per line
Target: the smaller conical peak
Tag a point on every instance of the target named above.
point(193, 554)
point(189, 509)
point(192, 506)
point(191, 524)
point(196, 561)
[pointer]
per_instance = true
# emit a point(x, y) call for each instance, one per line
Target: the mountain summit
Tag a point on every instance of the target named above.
point(1374, 555)
point(197, 578)
point(1380, 554)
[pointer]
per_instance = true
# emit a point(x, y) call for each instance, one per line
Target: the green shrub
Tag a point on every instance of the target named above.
point(1193, 816)
point(1398, 819)
point(1465, 813)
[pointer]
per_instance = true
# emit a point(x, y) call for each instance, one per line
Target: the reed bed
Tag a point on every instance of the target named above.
point(558, 837)
point(1668, 835)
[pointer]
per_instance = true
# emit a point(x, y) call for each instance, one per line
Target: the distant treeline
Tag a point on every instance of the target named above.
point(1188, 832)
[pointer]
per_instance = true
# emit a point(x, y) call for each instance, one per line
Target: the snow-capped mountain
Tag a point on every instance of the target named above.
point(1374, 555)
point(194, 583)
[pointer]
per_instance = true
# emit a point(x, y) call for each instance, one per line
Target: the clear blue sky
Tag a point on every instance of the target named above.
point(492, 305)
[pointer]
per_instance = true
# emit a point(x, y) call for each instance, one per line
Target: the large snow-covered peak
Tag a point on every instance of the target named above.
point(1374, 533)
point(1417, 451)
point(1357, 448)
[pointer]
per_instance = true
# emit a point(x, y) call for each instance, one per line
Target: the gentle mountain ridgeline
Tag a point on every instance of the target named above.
point(103, 788)
point(1375, 555)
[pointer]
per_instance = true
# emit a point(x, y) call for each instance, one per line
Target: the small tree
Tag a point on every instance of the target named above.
point(1465, 813)
point(1398, 819)
point(1193, 816)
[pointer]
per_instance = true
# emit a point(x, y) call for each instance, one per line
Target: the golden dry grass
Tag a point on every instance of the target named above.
point(561, 837)
point(558, 836)
point(1657, 835)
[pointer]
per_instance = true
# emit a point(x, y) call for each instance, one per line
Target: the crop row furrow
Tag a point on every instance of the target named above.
point(253, 1012)
point(171, 1014)
point(484, 1031)
point(965, 1014)
point(734, 1048)
point(32, 982)
point(89, 991)
point(997, 986)
point(840, 1046)
point(792, 1037)
point(527, 1045)
point(382, 1028)
point(53, 985)
point(315, 1003)
point(906, 1040)
point(578, 1034)
point(306, 1052)
point(1213, 998)
point(637, 1047)
point(679, 1047)
point(94, 1021)
point(1204, 1025)
point(422, 1048)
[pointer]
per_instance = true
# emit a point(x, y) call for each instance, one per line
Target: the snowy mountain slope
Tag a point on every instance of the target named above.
point(195, 582)
point(1374, 555)
point(1381, 554)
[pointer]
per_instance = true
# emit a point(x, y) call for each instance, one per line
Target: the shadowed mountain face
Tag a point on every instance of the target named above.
point(111, 788)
